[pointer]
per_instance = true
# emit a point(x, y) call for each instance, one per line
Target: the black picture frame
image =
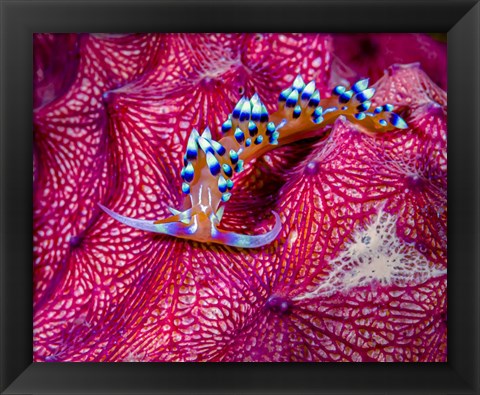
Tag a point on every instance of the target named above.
point(20, 19)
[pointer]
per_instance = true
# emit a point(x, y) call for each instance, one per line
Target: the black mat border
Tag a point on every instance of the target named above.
point(20, 18)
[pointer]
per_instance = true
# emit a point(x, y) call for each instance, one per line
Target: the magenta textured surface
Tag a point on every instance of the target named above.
point(358, 272)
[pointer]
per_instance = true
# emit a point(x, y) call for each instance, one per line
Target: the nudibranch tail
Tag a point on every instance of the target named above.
point(302, 110)
point(201, 229)
point(355, 103)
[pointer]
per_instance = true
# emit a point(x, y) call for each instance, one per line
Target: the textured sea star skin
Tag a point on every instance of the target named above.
point(330, 288)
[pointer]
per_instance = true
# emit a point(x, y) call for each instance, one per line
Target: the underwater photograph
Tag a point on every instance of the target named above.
point(241, 197)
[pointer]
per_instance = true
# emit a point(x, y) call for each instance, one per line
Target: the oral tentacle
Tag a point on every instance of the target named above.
point(247, 241)
point(177, 229)
point(188, 231)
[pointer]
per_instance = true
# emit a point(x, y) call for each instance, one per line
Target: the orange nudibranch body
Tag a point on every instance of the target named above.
point(248, 133)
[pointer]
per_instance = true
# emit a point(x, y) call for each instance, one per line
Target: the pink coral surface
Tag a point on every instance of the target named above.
point(358, 272)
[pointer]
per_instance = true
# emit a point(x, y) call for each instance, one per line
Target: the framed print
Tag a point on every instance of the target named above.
point(219, 189)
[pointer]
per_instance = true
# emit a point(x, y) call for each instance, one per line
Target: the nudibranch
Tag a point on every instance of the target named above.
point(249, 132)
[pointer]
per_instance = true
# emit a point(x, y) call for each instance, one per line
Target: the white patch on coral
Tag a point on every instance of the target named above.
point(376, 256)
